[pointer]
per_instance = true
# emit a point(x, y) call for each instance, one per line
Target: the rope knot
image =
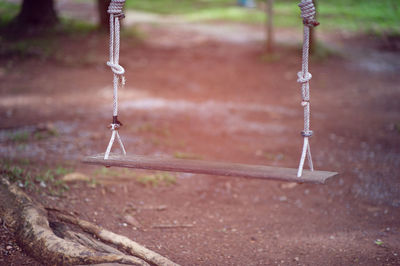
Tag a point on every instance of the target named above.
point(116, 7)
point(303, 79)
point(308, 13)
point(307, 133)
point(116, 68)
point(114, 126)
point(305, 103)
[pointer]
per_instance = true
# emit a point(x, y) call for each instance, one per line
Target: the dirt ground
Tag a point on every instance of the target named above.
point(202, 97)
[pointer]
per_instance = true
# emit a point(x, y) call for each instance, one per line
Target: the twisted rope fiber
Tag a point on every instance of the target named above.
point(308, 13)
point(115, 9)
point(303, 77)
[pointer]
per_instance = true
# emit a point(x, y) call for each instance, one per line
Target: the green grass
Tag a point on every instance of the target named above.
point(61, 171)
point(51, 180)
point(29, 177)
point(26, 136)
point(368, 16)
point(154, 180)
point(21, 136)
point(148, 180)
point(176, 6)
point(113, 172)
point(73, 27)
point(232, 13)
point(351, 15)
point(45, 135)
point(7, 12)
point(361, 15)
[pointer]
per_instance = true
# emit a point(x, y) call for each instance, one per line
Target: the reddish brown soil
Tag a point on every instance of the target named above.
point(217, 101)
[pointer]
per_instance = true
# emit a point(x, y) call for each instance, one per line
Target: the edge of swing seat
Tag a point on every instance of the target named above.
point(209, 168)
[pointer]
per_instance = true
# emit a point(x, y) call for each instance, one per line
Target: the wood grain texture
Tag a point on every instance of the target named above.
point(209, 168)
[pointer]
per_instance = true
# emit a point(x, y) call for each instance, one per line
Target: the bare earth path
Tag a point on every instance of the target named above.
point(218, 100)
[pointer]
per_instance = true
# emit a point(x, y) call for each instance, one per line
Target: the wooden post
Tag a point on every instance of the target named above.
point(269, 26)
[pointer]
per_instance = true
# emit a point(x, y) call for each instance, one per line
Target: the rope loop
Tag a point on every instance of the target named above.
point(116, 7)
point(303, 79)
point(308, 13)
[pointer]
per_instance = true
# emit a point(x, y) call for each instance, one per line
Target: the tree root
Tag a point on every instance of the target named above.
point(53, 242)
point(118, 240)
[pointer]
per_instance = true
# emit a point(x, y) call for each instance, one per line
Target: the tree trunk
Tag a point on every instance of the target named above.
point(37, 13)
point(269, 26)
point(104, 18)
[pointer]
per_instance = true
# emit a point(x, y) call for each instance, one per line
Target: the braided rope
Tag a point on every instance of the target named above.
point(116, 7)
point(308, 13)
point(303, 77)
point(115, 11)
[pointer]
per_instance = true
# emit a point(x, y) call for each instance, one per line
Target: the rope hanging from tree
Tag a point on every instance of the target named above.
point(308, 14)
point(116, 14)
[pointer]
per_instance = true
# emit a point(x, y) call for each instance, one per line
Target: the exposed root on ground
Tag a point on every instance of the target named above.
point(56, 241)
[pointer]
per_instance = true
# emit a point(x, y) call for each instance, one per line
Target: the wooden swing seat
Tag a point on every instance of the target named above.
point(210, 168)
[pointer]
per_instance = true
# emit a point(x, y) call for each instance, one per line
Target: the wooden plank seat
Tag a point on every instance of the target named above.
point(209, 168)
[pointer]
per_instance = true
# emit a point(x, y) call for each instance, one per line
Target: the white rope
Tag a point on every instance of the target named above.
point(116, 7)
point(308, 14)
point(115, 11)
point(108, 150)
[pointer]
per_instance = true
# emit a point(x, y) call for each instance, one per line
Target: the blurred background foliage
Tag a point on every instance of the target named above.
point(366, 16)
point(353, 15)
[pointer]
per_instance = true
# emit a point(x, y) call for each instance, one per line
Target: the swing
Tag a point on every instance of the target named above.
point(207, 167)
